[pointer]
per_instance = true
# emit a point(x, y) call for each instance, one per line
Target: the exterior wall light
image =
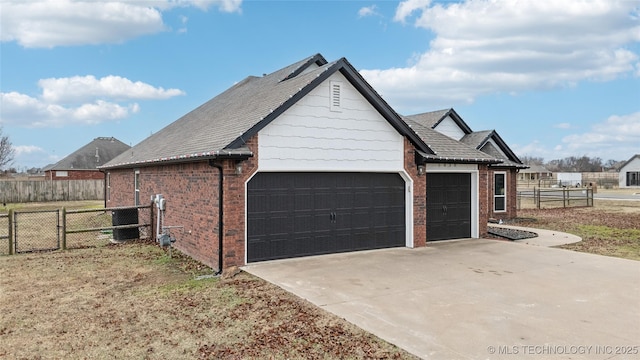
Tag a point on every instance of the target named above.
point(238, 168)
point(421, 169)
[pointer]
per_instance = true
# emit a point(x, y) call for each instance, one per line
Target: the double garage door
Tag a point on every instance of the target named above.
point(301, 214)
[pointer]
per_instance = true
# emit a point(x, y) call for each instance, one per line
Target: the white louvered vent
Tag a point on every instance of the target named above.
point(336, 96)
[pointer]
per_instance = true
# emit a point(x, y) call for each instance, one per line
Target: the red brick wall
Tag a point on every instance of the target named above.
point(511, 182)
point(121, 181)
point(419, 196)
point(191, 192)
point(484, 200)
point(75, 175)
point(234, 206)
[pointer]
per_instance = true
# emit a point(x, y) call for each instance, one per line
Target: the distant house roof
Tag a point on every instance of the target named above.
point(220, 127)
point(636, 156)
point(89, 157)
point(536, 169)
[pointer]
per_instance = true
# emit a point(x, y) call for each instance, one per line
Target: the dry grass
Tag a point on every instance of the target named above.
point(609, 228)
point(133, 301)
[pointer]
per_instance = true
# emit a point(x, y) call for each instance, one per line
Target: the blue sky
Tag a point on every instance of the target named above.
point(554, 78)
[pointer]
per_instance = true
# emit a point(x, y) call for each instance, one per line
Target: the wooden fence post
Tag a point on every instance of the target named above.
point(10, 232)
point(64, 228)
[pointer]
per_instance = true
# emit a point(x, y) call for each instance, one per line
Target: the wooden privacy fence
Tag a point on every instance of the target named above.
point(553, 198)
point(42, 230)
point(22, 191)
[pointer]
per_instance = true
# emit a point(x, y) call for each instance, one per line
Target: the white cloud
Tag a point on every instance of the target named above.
point(617, 137)
point(368, 11)
point(408, 7)
point(51, 23)
point(27, 149)
point(562, 126)
point(78, 88)
point(78, 100)
point(28, 156)
point(505, 46)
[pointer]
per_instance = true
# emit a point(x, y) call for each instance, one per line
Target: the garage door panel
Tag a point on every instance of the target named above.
point(448, 206)
point(323, 213)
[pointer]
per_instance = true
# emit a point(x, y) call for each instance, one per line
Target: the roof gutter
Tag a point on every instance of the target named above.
point(232, 154)
point(422, 158)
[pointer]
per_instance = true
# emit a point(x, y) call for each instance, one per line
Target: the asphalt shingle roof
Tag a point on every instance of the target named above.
point(479, 140)
point(220, 126)
point(211, 128)
point(446, 148)
point(96, 153)
point(429, 119)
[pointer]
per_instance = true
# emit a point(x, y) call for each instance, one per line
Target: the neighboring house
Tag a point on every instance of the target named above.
point(501, 198)
point(535, 173)
point(306, 160)
point(83, 163)
point(629, 175)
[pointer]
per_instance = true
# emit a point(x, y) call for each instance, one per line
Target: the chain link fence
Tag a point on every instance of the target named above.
point(99, 227)
point(5, 242)
point(45, 230)
point(36, 230)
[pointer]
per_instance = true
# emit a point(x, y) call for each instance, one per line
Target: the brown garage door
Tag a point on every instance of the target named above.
point(448, 206)
point(301, 214)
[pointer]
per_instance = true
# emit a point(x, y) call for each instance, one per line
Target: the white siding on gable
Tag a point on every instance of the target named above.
point(449, 127)
point(309, 68)
point(497, 148)
point(310, 137)
point(630, 172)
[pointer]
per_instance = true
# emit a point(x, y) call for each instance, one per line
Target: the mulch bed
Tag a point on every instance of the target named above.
point(511, 234)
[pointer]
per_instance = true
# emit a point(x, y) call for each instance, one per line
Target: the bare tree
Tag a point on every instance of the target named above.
point(6, 150)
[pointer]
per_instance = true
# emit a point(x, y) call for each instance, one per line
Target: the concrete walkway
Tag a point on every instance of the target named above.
point(477, 299)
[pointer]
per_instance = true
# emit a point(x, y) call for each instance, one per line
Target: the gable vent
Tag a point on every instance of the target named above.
point(336, 96)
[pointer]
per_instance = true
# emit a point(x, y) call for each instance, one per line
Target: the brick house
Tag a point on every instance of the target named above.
point(502, 176)
point(83, 163)
point(306, 160)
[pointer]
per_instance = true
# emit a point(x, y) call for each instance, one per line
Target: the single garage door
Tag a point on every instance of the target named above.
point(448, 206)
point(301, 214)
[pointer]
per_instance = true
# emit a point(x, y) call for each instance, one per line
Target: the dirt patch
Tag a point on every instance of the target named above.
point(134, 301)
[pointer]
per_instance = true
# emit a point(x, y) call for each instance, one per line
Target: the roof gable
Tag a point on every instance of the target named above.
point(221, 126)
point(486, 141)
point(637, 156)
point(434, 118)
point(446, 149)
point(94, 154)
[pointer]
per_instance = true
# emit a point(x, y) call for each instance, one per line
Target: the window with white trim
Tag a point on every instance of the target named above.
point(136, 181)
point(335, 95)
point(500, 191)
point(62, 173)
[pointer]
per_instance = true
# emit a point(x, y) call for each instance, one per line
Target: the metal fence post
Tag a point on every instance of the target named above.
point(10, 232)
point(153, 229)
point(64, 228)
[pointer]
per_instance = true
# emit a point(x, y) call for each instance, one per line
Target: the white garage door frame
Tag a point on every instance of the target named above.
point(475, 188)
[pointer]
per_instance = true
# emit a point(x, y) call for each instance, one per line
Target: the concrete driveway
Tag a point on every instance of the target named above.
point(477, 299)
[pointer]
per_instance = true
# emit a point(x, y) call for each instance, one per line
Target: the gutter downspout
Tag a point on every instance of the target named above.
point(220, 214)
